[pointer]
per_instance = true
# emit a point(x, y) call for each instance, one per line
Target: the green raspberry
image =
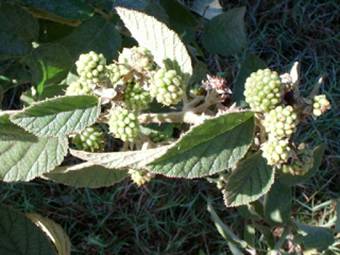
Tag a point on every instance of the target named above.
point(124, 124)
point(78, 88)
point(138, 58)
point(263, 90)
point(118, 74)
point(167, 87)
point(301, 163)
point(280, 122)
point(140, 177)
point(320, 105)
point(276, 152)
point(136, 97)
point(90, 139)
point(91, 67)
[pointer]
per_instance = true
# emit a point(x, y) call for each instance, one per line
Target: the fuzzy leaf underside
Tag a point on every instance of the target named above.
point(19, 236)
point(59, 116)
point(157, 37)
point(248, 182)
point(214, 146)
point(86, 175)
point(24, 156)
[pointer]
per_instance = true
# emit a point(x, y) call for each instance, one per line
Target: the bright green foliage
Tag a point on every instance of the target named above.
point(91, 67)
point(263, 90)
point(90, 139)
point(280, 122)
point(167, 87)
point(320, 105)
point(275, 151)
point(136, 97)
point(301, 163)
point(118, 74)
point(124, 124)
point(140, 177)
point(78, 88)
point(139, 58)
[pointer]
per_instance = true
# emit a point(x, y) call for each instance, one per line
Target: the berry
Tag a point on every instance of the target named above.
point(136, 97)
point(91, 67)
point(301, 163)
point(275, 151)
point(124, 124)
point(167, 87)
point(78, 88)
point(280, 122)
point(90, 139)
point(138, 58)
point(140, 177)
point(118, 74)
point(221, 182)
point(263, 90)
point(320, 105)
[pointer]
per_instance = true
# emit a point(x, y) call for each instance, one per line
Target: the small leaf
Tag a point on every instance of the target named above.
point(157, 37)
point(289, 179)
point(19, 235)
point(250, 64)
point(24, 156)
point(86, 175)
point(312, 237)
point(278, 203)
point(95, 34)
point(248, 182)
point(212, 147)
point(119, 160)
point(225, 34)
point(59, 116)
point(54, 232)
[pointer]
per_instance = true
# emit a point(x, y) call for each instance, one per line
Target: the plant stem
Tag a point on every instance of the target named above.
point(172, 117)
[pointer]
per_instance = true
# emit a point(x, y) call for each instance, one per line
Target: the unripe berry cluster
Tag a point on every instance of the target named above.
point(138, 58)
point(124, 124)
point(91, 67)
point(140, 177)
point(167, 87)
point(300, 163)
point(320, 105)
point(78, 88)
point(118, 74)
point(136, 97)
point(263, 90)
point(90, 139)
point(275, 151)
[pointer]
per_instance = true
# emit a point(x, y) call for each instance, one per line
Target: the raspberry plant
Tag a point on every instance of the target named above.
point(249, 153)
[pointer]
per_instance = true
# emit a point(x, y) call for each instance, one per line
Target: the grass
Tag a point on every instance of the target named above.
point(169, 216)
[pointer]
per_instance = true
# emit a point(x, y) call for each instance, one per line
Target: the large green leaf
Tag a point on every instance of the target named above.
point(95, 34)
point(17, 31)
point(69, 9)
point(59, 116)
point(157, 37)
point(312, 237)
point(225, 34)
point(19, 236)
point(278, 203)
point(86, 175)
point(250, 64)
point(209, 148)
point(24, 156)
point(249, 181)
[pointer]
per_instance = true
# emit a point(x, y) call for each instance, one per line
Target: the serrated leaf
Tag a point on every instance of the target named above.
point(214, 146)
point(289, 179)
point(19, 235)
point(157, 37)
point(68, 9)
point(59, 116)
point(24, 156)
point(119, 160)
point(250, 64)
point(95, 34)
point(86, 175)
point(312, 237)
point(54, 232)
point(225, 34)
point(278, 203)
point(248, 182)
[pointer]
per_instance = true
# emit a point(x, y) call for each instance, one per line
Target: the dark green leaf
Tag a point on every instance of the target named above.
point(12, 46)
point(19, 235)
point(249, 181)
point(225, 34)
point(312, 237)
point(209, 148)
